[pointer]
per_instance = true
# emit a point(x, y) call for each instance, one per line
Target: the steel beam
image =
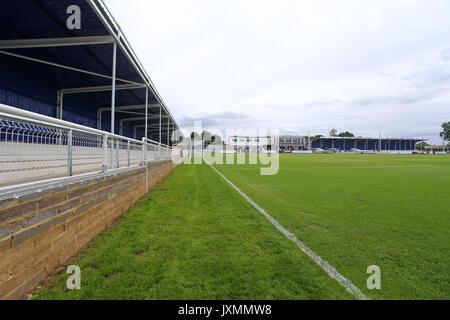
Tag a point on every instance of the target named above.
point(134, 119)
point(63, 66)
point(55, 42)
point(150, 128)
point(121, 109)
point(102, 88)
point(131, 107)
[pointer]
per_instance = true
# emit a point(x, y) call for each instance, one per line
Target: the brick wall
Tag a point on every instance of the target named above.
point(43, 229)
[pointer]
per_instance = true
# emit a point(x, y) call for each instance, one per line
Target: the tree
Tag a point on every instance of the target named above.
point(445, 134)
point(421, 146)
point(206, 135)
point(333, 133)
point(195, 136)
point(216, 139)
point(210, 138)
point(346, 134)
point(313, 138)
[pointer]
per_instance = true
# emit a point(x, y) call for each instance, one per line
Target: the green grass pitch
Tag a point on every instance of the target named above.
point(194, 237)
point(359, 210)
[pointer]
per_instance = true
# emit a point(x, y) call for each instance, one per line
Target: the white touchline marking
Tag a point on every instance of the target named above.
point(332, 272)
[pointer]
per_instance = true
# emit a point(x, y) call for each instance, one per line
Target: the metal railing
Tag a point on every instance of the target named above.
point(34, 147)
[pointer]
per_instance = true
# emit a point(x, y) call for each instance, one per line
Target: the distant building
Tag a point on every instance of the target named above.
point(247, 144)
point(292, 143)
point(433, 149)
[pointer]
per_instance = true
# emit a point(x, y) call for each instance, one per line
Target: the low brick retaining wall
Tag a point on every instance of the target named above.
point(42, 229)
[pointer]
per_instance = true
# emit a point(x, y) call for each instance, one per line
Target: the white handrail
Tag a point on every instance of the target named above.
point(24, 115)
point(34, 146)
point(153, 142)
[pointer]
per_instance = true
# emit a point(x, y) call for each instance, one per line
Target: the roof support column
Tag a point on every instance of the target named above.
point(113, 91)
point(173, 132)
point(160, 108)
point(168, 137)
point(99, 119)
point(380, 142)
point(60, 104)
point(168, 134)
point(309, 140)
point(146, 111)
point(113, 100)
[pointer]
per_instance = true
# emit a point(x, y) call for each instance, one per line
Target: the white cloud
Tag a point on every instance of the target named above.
point(363, 66)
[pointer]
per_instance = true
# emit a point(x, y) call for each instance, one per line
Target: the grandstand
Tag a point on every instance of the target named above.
point(89, 77)
point(294, 143)
point(365, 144)
point(83, 133)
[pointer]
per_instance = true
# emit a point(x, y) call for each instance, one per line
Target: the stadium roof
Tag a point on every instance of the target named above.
point(40, 56)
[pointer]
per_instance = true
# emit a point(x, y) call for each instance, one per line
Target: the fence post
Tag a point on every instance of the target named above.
point(69, 152)
point(128, 153)
point(117, 153)
point(105, 153)
point(144, 151)
point(112, 154)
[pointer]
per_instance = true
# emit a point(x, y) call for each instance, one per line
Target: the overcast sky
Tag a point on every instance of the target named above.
point(363, 66)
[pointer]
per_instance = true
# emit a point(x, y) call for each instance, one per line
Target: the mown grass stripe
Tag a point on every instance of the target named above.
point(329, 269)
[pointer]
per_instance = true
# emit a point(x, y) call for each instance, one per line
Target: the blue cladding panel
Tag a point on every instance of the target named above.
point(365, 144)
point(15, 99)
point(45, 18)
point(33, 86)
